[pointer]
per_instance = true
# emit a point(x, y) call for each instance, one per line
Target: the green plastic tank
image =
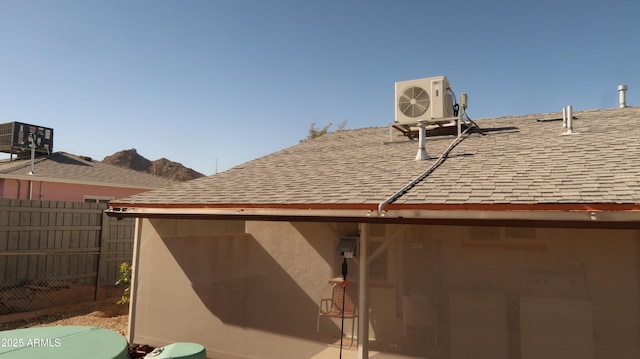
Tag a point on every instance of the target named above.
point(63, 342)
point(181, 350)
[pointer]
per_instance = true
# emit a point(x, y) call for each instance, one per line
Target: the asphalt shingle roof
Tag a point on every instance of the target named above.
point(518, 160)
point(61, 166)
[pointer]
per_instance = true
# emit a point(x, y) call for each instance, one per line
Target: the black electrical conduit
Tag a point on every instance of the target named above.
point(344, 294)
point(394, 197)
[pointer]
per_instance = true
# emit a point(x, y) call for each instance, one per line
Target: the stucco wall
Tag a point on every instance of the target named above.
point(53, 191)
point(251, 290)
point(525, 292)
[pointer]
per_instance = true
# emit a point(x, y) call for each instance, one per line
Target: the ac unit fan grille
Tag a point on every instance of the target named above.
point(414, 101)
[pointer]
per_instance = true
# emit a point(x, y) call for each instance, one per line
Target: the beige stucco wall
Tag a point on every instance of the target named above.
point(251, 289)
point(563, 293)
point(243, 289)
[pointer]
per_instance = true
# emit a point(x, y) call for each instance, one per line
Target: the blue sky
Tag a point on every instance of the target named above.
point(206, 82)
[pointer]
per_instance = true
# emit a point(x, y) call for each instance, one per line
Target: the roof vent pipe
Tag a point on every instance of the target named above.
point(622, 92)
point(564, 117)
point(422, 151)
point(569, 112)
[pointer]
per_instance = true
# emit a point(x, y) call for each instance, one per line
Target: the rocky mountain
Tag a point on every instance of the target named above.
point(162, 167)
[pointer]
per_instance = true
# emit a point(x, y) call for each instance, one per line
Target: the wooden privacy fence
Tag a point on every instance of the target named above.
point(54, 253)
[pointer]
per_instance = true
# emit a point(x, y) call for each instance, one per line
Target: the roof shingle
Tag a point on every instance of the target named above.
point(61, 166)
point(517, 160)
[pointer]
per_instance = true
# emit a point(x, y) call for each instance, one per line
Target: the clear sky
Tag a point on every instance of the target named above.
point(227, 81)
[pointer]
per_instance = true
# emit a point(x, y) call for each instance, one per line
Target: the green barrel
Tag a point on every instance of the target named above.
point(179, 350)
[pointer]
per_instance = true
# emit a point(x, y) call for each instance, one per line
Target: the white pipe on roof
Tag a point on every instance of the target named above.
point(622, 93)
point(569, 120)
point(422, 151)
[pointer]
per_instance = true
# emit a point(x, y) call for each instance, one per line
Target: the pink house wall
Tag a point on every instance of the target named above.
point(53, 191)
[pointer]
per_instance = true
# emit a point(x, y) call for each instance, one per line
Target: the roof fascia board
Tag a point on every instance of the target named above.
point(35, 177)
point(397, 215)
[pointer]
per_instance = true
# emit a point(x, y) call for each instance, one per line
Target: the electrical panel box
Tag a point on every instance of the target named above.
point(15, 138)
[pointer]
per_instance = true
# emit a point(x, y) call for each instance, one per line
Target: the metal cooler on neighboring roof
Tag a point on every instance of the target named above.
point(14, 138)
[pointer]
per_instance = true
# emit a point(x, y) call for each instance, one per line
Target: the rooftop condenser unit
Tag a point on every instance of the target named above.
point(19, 138)
point(423, 99)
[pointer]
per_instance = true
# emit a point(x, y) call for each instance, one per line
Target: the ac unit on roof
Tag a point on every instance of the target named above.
point(423, 99)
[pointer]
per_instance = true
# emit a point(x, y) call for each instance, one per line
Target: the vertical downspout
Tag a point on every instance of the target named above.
point(363, 294)
point(19, 189)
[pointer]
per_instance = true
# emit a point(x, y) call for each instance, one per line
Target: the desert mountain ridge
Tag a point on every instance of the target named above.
point(162, 167)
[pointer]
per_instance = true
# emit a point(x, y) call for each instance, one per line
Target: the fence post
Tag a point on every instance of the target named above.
point(104, 243)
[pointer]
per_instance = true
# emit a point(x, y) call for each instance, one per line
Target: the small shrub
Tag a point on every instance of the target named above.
point(124, 280)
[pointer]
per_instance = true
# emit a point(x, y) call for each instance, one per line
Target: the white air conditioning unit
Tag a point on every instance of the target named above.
point(423, 99)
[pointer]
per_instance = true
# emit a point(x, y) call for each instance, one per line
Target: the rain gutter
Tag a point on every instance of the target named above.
point(488, 214)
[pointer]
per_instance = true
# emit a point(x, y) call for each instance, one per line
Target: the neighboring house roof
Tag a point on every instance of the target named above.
point(514, 161)
point(67, 168)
